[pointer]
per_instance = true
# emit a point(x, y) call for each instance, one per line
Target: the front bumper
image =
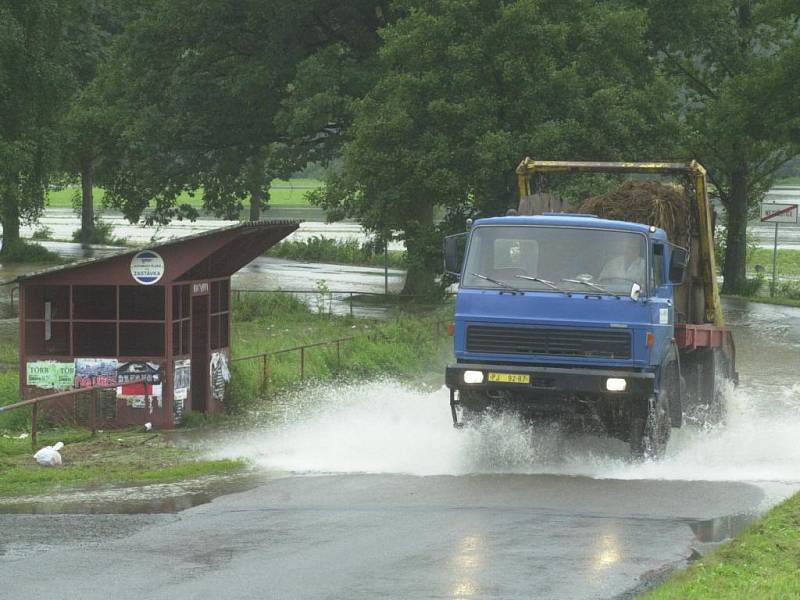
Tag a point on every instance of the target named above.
point(550, 379)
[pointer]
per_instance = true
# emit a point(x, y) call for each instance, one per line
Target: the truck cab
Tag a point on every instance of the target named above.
point(567, 317)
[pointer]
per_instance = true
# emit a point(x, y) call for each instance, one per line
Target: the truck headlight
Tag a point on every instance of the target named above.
point(616, 384)
point(473, 376)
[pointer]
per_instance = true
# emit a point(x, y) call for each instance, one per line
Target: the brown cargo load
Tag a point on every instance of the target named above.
point(648, 203)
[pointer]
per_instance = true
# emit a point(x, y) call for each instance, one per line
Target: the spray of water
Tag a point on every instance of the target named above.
point(385, 427)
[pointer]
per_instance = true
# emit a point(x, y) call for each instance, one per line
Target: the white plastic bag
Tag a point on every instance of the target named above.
point(49, 455)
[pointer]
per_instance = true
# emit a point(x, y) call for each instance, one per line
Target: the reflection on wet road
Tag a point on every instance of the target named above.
point(369, 492)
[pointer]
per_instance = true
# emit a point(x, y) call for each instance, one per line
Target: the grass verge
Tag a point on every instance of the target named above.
point(406, 346)
point(762, 562)
point(283, 192)
point(121, 456)
point(345, 252)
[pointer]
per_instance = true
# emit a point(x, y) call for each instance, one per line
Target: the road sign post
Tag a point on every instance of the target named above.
point(777, 213)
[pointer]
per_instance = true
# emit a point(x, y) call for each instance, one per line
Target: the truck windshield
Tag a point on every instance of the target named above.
point(530, 257)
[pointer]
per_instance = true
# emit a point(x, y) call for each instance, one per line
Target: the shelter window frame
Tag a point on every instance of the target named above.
point(220, 297)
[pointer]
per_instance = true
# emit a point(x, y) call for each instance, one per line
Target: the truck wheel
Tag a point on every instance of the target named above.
point(650, 427)
point(715, 374)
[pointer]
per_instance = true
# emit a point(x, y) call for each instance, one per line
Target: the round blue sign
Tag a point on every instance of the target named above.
point(147, 267)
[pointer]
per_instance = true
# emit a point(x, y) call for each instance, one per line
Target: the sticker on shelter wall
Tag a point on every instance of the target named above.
point(51, 375)
point(220, 375)
point(139, 382)
point(182, 379)
point(147, 267)
point(177, 410)
point(95, 371)
point(663, 316)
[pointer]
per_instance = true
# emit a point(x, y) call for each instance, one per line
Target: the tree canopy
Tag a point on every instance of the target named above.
point(464, 90)
point(732, 61)
point(33, 80)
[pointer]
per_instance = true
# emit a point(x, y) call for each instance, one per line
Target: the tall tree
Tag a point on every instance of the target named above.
point(90, 28)
point(722, 53)
point(465, 89)
point(32, 84)
point(198, 85)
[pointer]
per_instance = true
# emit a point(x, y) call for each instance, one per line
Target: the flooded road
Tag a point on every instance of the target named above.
point(368, 492)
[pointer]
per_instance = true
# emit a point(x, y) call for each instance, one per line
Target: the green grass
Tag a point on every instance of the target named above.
point(788, 261)
point(405, 346)
point(328, 250)
point(788, 181)
point(25, 252)
point(122, 456)
point(762, 562)
point(282, 193)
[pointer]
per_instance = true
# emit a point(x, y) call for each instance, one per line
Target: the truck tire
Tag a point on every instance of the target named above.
point(715, 376)
point(650, 426)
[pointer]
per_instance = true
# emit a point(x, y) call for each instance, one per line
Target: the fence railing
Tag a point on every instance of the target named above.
point(265, 358)
point(34, 404)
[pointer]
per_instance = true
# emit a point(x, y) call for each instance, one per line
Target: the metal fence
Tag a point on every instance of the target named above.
point(263, 361)
point(90, 396)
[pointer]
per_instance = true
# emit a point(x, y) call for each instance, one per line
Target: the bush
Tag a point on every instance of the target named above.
point(788, 289)
point(347, 252)
point(23, 252)
point(253, 306)
point(102, 234)
point(43, 233)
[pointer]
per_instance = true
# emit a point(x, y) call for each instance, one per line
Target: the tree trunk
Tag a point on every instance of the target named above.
point(10, 218)
point(423, 254)
point(256, 180)
point(736, 240)
point(87, 202)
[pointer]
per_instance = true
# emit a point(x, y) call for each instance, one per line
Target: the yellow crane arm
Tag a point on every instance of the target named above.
point(693, 170)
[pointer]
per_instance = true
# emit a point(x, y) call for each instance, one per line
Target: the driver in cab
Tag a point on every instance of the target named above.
point(628, 263)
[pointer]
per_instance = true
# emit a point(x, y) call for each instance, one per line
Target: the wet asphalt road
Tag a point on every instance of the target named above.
point(376, 536)
point(474, 535)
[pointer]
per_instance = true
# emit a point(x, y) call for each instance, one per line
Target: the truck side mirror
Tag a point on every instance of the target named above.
point(677, 264)
point(454, 253)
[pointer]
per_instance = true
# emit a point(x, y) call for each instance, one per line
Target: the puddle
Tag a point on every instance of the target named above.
point(136, 499)
point(721, 529)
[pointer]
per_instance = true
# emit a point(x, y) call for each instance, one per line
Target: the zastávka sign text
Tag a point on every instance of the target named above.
point(147, 267)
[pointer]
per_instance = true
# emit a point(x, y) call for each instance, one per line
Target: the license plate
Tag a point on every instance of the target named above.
point(509, 378)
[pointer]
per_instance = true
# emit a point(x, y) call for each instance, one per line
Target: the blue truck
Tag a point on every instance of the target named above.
point(602, 325)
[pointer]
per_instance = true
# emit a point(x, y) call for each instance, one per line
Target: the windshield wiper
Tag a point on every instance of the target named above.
point(589, 283)
point(496, 282)
point(540, 280)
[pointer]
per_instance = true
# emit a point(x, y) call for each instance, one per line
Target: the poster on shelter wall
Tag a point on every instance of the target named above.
point(95, 371)
point(51, 375)
point(139, 384)
point(182, 379)
point(220, 375)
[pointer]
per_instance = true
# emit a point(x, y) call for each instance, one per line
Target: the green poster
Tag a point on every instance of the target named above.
point(51, 375)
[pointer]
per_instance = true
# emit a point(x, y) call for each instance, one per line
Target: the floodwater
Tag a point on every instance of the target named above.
point(388, 427)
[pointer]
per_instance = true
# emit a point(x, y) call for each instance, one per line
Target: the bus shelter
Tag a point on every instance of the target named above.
point(155, 323)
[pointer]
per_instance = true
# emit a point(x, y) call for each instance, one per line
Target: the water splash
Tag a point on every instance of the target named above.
point(384, 427)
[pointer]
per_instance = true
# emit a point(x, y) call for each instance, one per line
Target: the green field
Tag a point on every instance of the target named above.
point(788, 261)
point(788, 181)
point(283, 192)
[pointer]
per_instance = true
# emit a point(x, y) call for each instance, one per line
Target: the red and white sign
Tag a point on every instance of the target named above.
point(773, 212)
